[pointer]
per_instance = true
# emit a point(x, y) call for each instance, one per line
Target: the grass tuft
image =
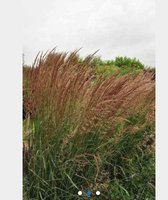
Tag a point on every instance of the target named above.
point(83, 131)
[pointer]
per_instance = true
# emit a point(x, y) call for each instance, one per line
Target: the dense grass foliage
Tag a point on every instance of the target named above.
point(87, 131)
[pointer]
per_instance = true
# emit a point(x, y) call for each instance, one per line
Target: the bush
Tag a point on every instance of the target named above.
point(128, 62)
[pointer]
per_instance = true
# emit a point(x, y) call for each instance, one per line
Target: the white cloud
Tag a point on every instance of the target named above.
point(116, 27)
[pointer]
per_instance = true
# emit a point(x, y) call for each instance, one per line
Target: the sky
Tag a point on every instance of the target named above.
point(114, 27)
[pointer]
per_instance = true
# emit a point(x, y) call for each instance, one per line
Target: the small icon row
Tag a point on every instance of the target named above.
point(88, 193)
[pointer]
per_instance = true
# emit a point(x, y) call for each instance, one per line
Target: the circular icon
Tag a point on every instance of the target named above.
point(97, 193)
point(88, 193)
point(79, 193)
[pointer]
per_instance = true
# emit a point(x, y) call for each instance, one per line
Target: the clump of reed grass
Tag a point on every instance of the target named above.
point(85, 130)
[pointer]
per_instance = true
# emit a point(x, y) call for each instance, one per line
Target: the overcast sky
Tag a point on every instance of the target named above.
point(116, 27)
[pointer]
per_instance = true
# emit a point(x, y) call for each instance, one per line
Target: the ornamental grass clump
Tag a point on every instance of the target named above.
point(86, 132)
